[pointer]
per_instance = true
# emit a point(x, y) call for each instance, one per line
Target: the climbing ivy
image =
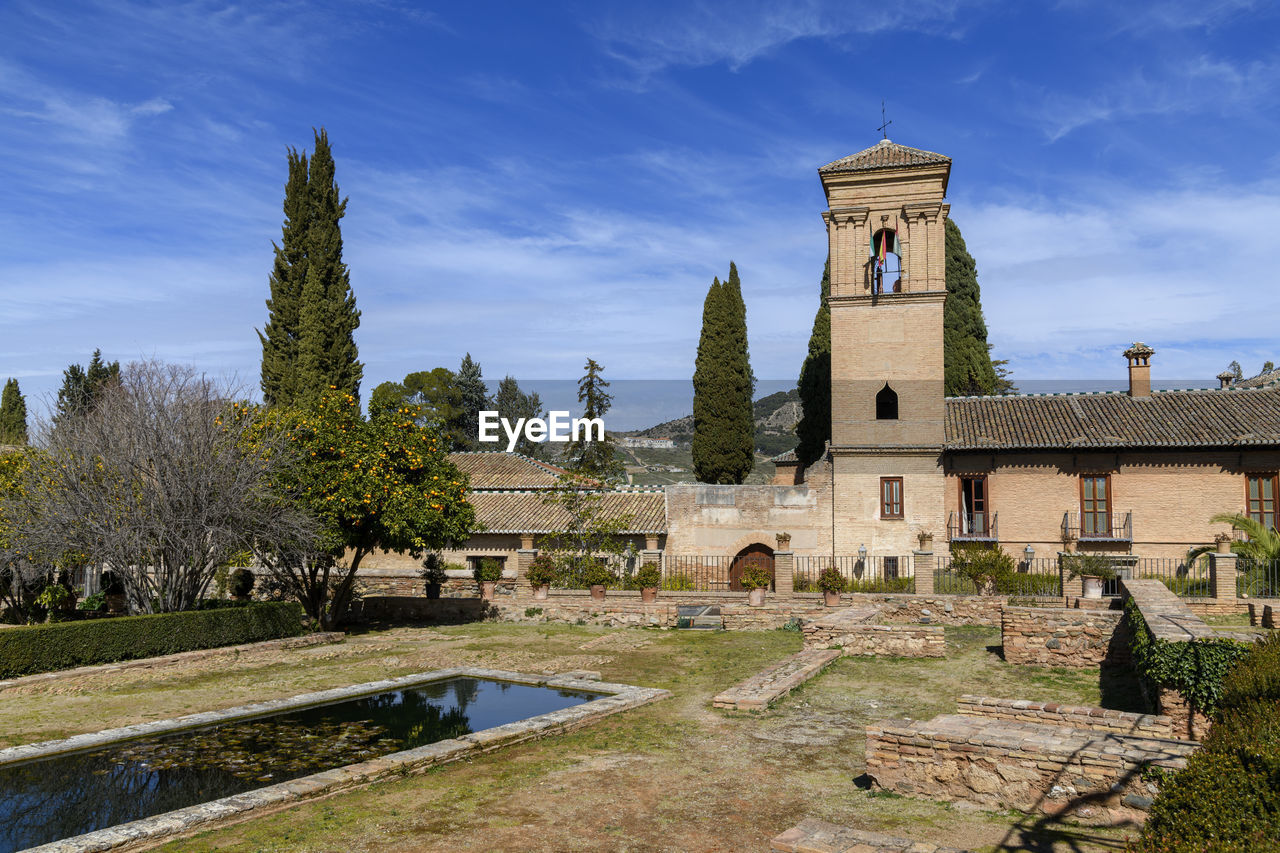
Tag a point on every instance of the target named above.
point(1196, 668)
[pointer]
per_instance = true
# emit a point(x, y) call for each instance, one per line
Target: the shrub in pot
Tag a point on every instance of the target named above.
point(982, 566)
point(598, 577)
point(542, 572)
point(488, 572)
point(433, 574)
point(832, 583)
point(755, 580)
point(1093, 568)
point(649, 578)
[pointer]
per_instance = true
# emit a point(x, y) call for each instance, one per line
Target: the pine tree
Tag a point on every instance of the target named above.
point(967, 359)
point(13, 415)
point(595, 459)
point(327, 352)
point(80, 387)
point(309, 341)
point(723, 386)
point(814, 428)
point(513, 404)
point(473, 398)
point(280, 340)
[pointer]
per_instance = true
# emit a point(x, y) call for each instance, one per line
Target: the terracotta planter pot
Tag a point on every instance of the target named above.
point(831, 599)
point(1093, 587)
point(597, 591)
point(540, 592)
point(649, 594)
point(486, 590)
point(755, 597)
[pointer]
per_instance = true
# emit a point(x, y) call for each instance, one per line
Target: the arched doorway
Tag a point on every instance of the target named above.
point(752, 555)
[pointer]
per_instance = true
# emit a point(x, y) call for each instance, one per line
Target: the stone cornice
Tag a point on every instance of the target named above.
point(927, 296)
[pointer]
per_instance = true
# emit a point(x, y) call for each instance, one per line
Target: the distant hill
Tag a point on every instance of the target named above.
point(775, 416)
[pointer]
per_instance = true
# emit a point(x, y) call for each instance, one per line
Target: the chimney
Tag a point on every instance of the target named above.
point(1225, 378)
point(1139, 356)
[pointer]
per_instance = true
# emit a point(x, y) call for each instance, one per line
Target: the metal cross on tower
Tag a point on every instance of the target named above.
point(882, 127)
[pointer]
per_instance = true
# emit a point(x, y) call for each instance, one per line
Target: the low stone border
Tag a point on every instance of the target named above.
point(619, 697)
point(318, 639)
point(758, 691)
point(1073, 716)
point(817, 836)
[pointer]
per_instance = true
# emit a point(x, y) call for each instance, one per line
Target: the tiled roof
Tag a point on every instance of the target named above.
point(1271, 377)
point(528, 512)
point(1234, 417)
point(884, 155)
point(498, 470)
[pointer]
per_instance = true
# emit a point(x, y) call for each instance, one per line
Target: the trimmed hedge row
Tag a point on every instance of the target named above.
point(1227, 800)
point(46, 648)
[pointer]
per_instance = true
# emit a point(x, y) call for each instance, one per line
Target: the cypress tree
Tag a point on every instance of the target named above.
point(327, 352)
point(308, 344)
point(473, 397)
point(967, 358)
point(513, 404)
point(289, 271)
point(723, 385)
point(13, 415)
point(594, 458)
point(80, 387)
point(814, 427)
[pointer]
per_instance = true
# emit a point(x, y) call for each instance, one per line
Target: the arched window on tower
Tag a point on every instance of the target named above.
point(886, 262)
point(887, 404)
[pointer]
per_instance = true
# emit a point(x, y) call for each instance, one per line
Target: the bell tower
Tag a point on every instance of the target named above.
point(885, 226)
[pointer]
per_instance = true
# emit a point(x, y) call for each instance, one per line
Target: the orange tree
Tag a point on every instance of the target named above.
point(378, 483)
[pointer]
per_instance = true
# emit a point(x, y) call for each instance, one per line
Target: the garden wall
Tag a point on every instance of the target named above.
point(1074, 716)
point(1056, 636)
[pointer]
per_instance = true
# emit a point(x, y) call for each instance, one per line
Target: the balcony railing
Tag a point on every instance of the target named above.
point(972, 527)
point(1098, 526)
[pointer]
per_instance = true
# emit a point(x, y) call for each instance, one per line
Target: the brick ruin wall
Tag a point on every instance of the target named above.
point(1045, 636)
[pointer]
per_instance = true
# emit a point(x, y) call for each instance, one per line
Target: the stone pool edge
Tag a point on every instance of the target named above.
point(619, 697)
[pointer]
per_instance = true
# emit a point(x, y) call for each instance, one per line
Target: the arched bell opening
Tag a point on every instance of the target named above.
point(887, 404)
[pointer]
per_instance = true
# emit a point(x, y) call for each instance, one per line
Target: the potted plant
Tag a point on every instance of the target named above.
point(649, 578)
point(113, 589)
point(985, 567)
point(1094, 569)
point(755, 580)
point(783, 540)
point(487, 572)
point(542, 571)
point(831, 582)
point(433, 574)
point(598, 577)
point(241, 584)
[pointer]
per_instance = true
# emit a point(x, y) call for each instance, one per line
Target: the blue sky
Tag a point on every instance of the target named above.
point(536, 183)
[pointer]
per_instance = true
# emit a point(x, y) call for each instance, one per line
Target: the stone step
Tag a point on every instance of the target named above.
point(758, 691)
point(811, 835)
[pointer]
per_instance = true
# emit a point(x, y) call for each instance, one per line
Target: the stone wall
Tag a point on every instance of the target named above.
point(938, 609)
point(1262, 615)
point(906, 641)
point(626, 609)
point(1073, 716)
point(1055, 636)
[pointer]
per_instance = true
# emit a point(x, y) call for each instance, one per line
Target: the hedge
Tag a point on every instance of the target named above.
point(46, 648)
point(1227, 800)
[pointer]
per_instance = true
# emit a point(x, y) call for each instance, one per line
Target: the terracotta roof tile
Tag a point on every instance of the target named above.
point(529, 512)
point(884, 155)
point(1233, 417)
point(498, 470)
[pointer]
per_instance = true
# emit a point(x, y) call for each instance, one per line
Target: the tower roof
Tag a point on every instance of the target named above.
point(885, 154)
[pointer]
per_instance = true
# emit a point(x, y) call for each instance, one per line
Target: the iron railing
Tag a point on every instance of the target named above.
point(973, 527)
point(872, 573)
point(1039, 576)
point(1255, 579)
point(1098, 527)
point(1185, 579)
point(696, 574)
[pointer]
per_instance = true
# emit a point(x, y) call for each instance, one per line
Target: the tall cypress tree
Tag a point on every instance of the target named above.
point(284, 307)
point(814, 427)
point(327, 352)
point(594, 458)
point(309, 342)
point(81, 387)
point(13, 415)
point(723, 385)
point(967, 358)
point(513, 404)
point(474, 397)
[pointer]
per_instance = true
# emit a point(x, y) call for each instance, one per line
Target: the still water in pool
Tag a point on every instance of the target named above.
point(59, 797)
